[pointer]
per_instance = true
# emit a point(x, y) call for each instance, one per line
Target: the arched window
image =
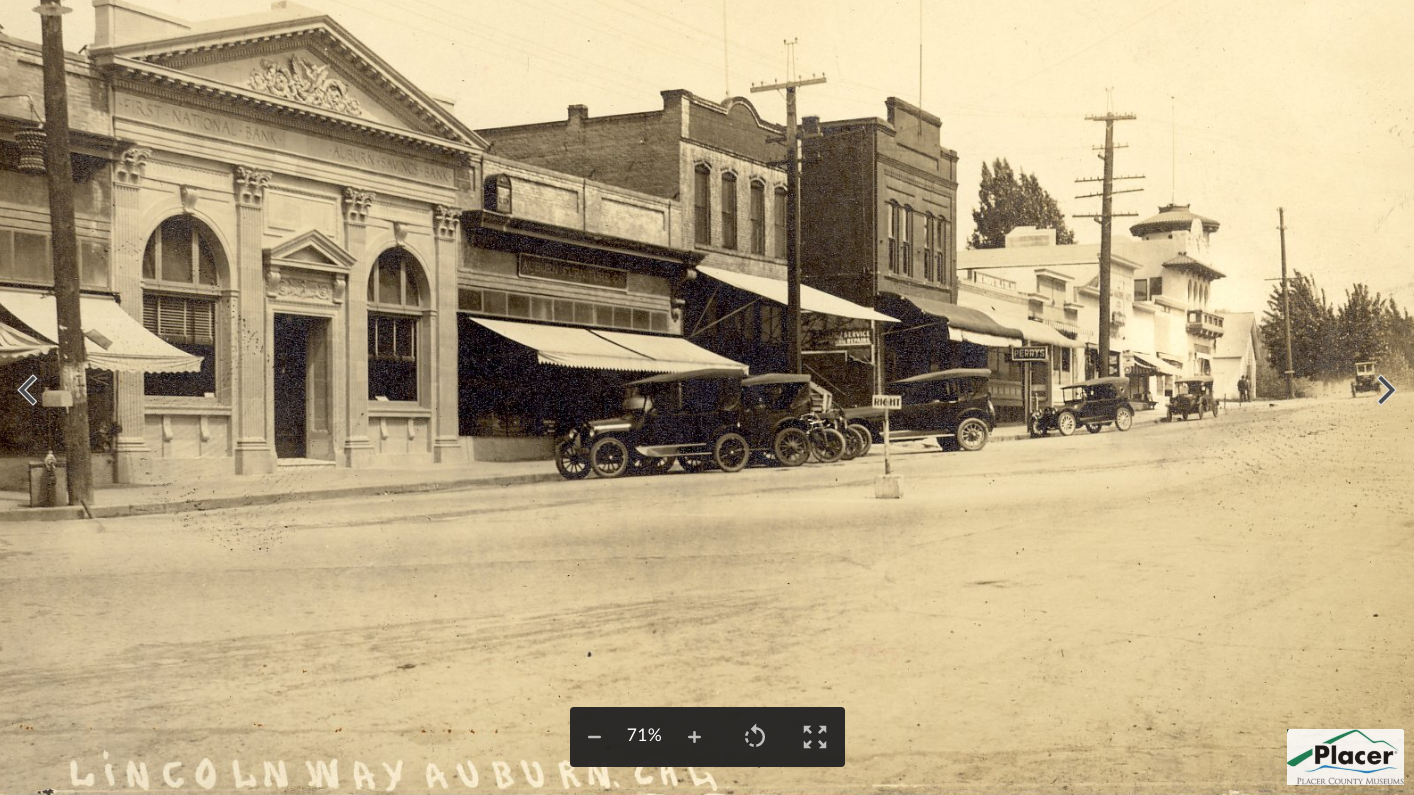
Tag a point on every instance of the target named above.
point(780, 211)
point(180, 293)
point(395, 306)
point(729, 210)
point(758, 217)
point(702, 205)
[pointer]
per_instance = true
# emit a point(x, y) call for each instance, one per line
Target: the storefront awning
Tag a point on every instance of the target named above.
point(15, 344)
point(1014, 317)
point(1150, 360)
point(606, 350)
point(115, 341)
point(965, 323)
point(811, 299)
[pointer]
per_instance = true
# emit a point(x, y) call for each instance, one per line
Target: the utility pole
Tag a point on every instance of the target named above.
point(792, 141)
point(1105, 218)
point(73, 376)
point(1286, 307)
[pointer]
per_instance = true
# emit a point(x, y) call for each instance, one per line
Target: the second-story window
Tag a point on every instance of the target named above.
point(780, 211)
point(729, 210)
point(906, 241)
point(758, 218)
point(929, 242)
point(702, 205)
point(943, 264)
point(893, 237)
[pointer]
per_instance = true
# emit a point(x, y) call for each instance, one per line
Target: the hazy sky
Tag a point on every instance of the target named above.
point(1260, 104)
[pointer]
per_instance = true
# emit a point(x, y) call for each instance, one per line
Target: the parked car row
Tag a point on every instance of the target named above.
point(715, 419)
point(721, 419)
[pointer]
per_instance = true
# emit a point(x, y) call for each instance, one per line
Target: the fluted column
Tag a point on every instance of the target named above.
point(358, 449)
point(128, 244)
point(250, 374)
point(446, 445)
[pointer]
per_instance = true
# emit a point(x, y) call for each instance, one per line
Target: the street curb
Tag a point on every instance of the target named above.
point(72, 512)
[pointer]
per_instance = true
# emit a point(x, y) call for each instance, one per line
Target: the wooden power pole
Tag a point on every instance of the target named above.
point(1286, 307)
point(792, 335)
point(73, 376)
point(1105, 218)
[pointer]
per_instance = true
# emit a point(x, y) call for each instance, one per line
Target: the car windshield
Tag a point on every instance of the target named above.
point(772, 397)
point(1100, 392)
point(947, 391)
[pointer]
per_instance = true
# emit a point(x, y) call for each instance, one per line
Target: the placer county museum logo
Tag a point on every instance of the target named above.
point(1345, 757)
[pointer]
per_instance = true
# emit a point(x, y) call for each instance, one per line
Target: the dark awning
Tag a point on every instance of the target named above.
point(969, 325)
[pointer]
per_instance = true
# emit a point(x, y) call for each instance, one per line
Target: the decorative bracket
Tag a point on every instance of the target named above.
point(357, 204)
point(446, 220)
point(131, 165)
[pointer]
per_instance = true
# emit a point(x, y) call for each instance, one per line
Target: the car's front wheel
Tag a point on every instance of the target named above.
point(695, 463)
point(1124, 418)
point(731, 452)
point(791, 447)
point(1094, 427)
point(827, 444)
point(572, 460)
point(609, 457)
point(1065, 423)
point(972, 434)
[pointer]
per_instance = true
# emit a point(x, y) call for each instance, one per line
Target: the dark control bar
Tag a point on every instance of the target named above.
point(707, 736)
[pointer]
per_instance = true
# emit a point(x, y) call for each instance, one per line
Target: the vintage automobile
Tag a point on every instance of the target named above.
point(1366, 380)
point(1093, 404)
point(951, 406)
point(782, 419)
point(1194, 396)
point(692, 417)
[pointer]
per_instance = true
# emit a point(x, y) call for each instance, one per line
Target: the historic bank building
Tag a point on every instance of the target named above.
point(295, 255)
point(286, 207)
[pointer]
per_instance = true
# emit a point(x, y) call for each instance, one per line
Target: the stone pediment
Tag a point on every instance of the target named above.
point(307, 65)
point(312, 250)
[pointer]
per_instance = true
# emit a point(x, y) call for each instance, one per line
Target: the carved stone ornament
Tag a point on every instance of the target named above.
point(304, 81)
point(250, 186)
point(272, 280)
point(131, 165)
point(357, 203)
point(303, 288)
point(446, 221)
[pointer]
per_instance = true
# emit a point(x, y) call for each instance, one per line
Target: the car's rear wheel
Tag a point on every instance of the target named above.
point(1124, 418)
point(866, 439)
point(1093, 427)
point(948, 444)
point(609, 457)
point(572, 460)
point(731, 452)
point(791, 447)
point(972, 434)
point(1065, 423)
point(827, 444)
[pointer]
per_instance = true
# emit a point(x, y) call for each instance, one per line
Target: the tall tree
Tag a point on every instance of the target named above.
point(1008, 199)
point(1315, 336)
point(1362, 325)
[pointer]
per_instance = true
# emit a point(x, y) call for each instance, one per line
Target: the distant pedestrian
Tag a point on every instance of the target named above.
point(1244, 390)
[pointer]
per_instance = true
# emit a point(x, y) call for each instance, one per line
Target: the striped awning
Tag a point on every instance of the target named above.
point(114, 339)
point(599, 349)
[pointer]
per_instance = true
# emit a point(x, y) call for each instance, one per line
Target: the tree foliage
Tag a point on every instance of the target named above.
point(1327, 341)
point(1008, 199)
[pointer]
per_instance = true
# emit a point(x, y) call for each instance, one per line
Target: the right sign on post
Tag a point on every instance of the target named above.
point(888, 402)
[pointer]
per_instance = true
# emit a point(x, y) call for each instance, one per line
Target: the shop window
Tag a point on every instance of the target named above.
point(781, 211)
point(772, 322)
point(180, 299)
point(758, 218)
point(702, 205)
point(394, 315)
point(729, 211)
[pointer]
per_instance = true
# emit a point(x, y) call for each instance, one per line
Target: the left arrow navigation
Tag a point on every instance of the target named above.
point(24, 389)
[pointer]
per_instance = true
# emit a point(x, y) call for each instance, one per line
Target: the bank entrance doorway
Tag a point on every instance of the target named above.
point(301, 387)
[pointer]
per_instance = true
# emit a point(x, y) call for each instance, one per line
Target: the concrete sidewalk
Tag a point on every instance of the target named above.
point(289, 484)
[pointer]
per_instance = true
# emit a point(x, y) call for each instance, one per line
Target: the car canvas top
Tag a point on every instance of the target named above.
point(958, 372)
point(1111, 380)
point(690, 375)
point(1196, 379)
point(775, 378)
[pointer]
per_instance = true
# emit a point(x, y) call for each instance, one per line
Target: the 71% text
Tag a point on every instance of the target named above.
point(645, 735)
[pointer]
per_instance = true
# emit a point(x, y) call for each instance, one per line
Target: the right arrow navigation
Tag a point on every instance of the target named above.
point(1388, 386)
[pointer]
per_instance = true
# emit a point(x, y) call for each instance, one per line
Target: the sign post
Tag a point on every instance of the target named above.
point(887, 487)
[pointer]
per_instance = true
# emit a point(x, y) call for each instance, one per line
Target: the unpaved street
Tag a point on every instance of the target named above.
point(1147, 611)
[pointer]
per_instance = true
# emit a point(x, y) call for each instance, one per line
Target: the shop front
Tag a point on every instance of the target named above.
point(554, 320)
